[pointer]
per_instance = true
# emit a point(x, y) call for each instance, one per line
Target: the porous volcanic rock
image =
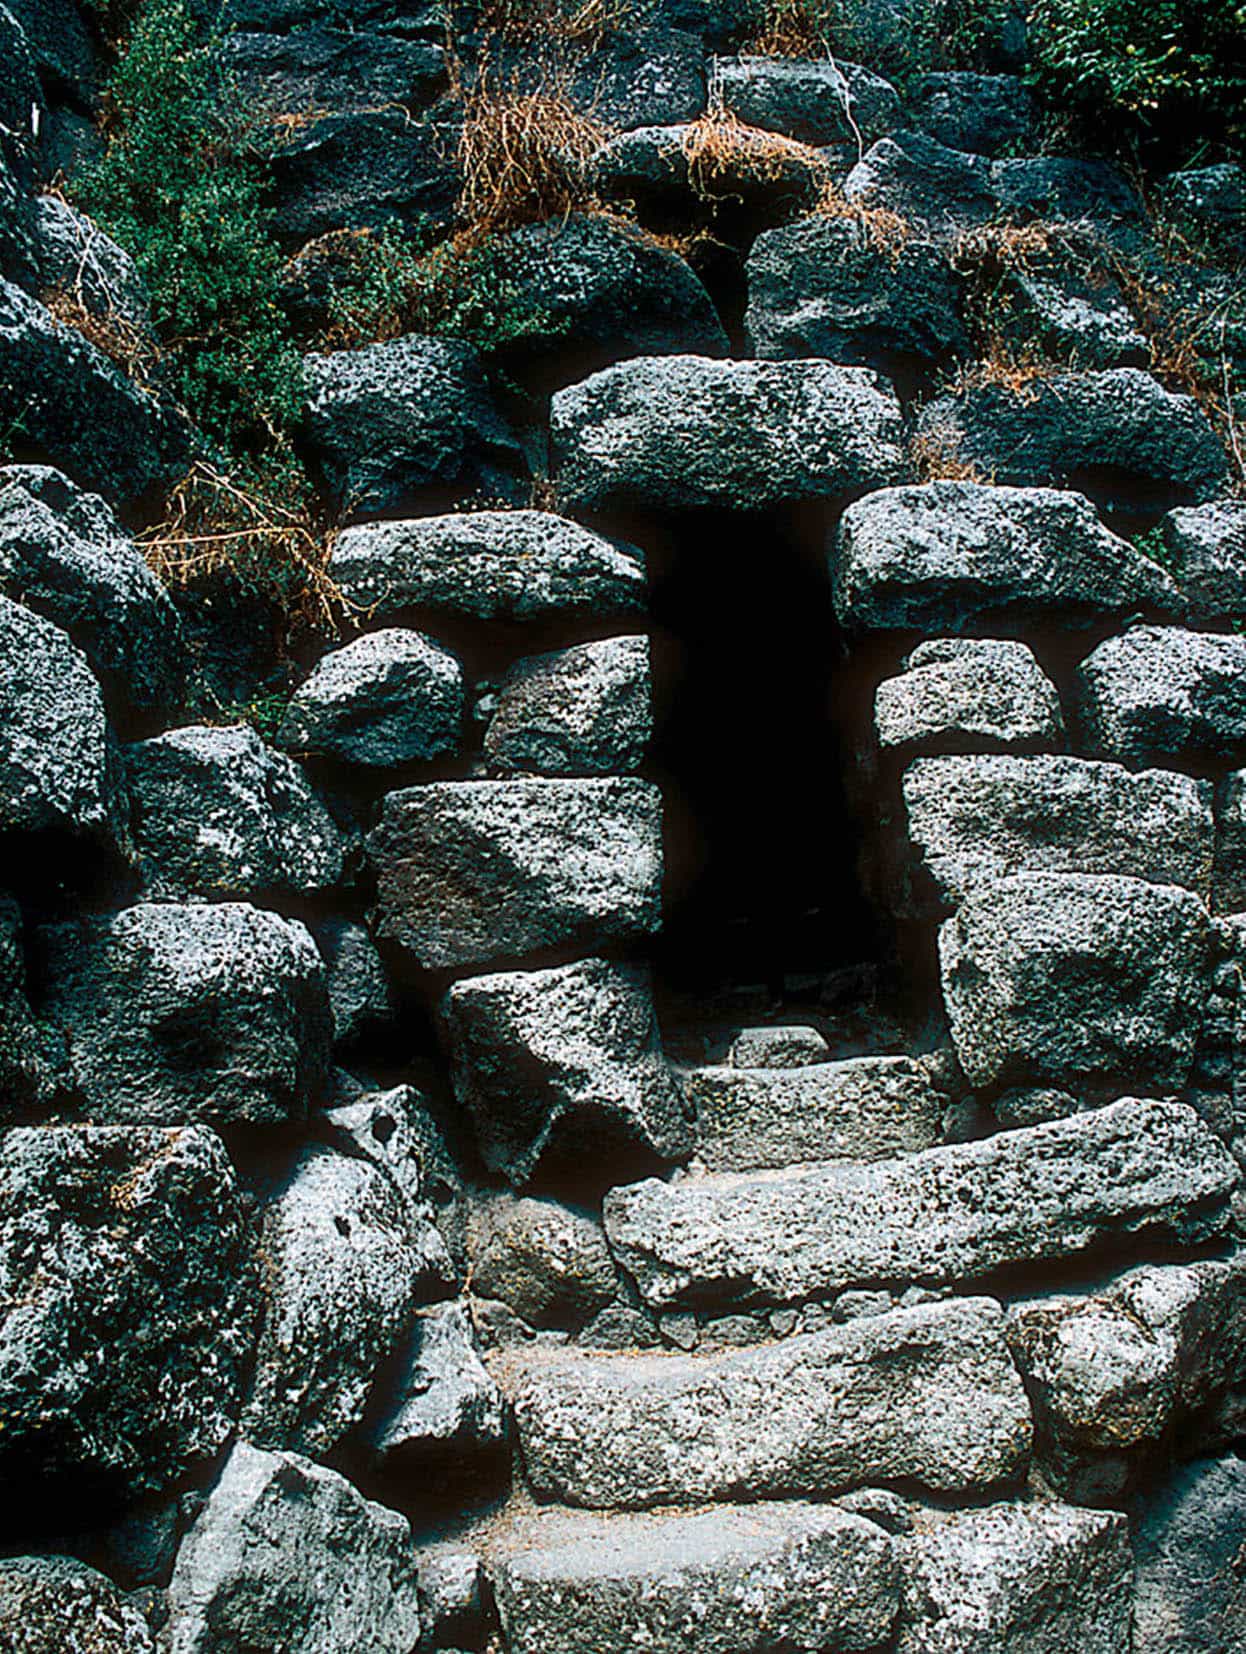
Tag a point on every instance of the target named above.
point(968, 695)
point(59, 1603)
point(586, 710)
point(1162, 695)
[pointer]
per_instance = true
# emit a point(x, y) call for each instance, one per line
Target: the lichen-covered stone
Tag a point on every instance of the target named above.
point(439, 1408)
point(1190, 1597)
point(968, 695)
point(818, 101)
point(580, 711)
point(1162, 695)
point(783, 1045)
point(78, 260)
point(548, 1262)
point(925, 183)
point(983, 114)
point(52, 1604)
point(1206, 546)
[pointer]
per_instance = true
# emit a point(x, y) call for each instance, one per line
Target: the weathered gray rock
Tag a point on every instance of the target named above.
point(945, 1215)
point(25, 1072)
point(553, 1063)
point(129, 1306)
point(50, 1604)
point(79, 411)
point(440, 1407)
point(287, 1554)
point(946, 553)
point(1118, 436)
point(1190, 1597)
point(172, 1014)
point(548, 1261)
point(1110, 1374)
point(864, 1108)
point(1067, 189)
point(1066, 308)
point(360, 1000)
point(217, 813)
point(469, 871)
point(1016, 1579)
point(817, 102)
point(972, 820)
point(739, 1580)
point(941, 190)
point(1229, 889)
point(785, 1046)
point(58, 765)
point(927, 1395)
point(452, 1597)
point(679, 432)
point(331, 70)
point(628, 74)
point(63, 554)
point(1162, 695)
point(580, 711)
point(489, 565)
point(968, 695)
point(1206, 546)
point(407, 424)
point(983, 114)
point(1067, 977)
point(19, 246)
point(341, 1282)
point(395, 1129)
point(78, 260)
point(1212, 197)
point(820, 287)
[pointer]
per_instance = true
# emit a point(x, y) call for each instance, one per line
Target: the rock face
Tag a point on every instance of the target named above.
point(548, 1262)
point(1206, 545)
point(785, 1046)
point(172, 1014)
point(469, 871)
point(1161, 695)
point(61, 1604)
point(940, 189)
point(946, 1215)
point(735, 1581)
point(287, 1552)
point(925, 1394)
point(983, 114)
point(316, 67)
point(489, 565)
point(680, 432)
point(1074, 977)
point(970, 695)
point(814, 102)
point(359, 992)
point(1016, 1579)
point(974, 819)
point(77, 258)
point(946, 553)
point(580, 711)
point(548, 1062)
point(1190, 1596)
point(441, 1408)
point(126, 1277)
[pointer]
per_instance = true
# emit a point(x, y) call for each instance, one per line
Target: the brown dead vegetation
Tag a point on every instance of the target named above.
point(886, 232)
point(723, 151)
point(936, 456)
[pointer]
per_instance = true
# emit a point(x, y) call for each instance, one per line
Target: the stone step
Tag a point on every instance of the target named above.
point(946, 1215)
point(927, 1395)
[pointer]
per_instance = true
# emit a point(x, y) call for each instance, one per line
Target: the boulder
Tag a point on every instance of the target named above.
point(500, 566)
point(815, 101)
point(19, 244)
point(580, 711)
point(822, 287)
point(944, 1216)
point(1067, 189)
point(971, 820)
point(1118, 436)
point(471, 871)
point(22, 104)
point(59, 771)
point(26, 1079)
point(287, 1554)
point(1059, 978)
point(622, 77)
point(739, 1580)
point(946, 555)
point(1229, 886)
point(786, 1046)
point(129, 1307)
point(983, 114)
point(548, 1262)
point(63, 554)
point(943, 191)
point(1188, 1550)
point(926, 1395)
point(679, 432)
point(1162, 695)
point(1113, 1373)
point(1212, 198)
point(1206, 549)
point(341, 1279)
point(78, 411)
point(61, 1604)
point(968, 695)
point(61, 46)
point(407, 424)
point(438, 1410)
point(200, 1013)
point(560, 1064)
point(331, 71)
point(1066, 308)
point(359, 992)
point(863, 1108)
point(78, 260)
point(396, 1131)
point(217, 813)
point(1015, 1579)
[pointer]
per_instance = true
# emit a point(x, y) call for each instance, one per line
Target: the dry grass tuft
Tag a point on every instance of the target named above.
point(722, 150)
point(134, 351)
point(578, 22)
point(936, 455)
point(795, 28)
point(886, 231)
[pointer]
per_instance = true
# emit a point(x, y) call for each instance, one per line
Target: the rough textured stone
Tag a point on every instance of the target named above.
point(217, 813)
point(1206, 546)
point(1213, 197)
point(864, 1108)
point(940, 189)
point(1064, 307)
point(786, 1046)
point(944, 554)
point(945, 1215)
point(973, 819)
point(25, 1073)
point(408, 423)
point(126, 1277)
point(816, 102)
point(19, 247)
point(387, 699)
point(170, 1014)
point(548, 1261)
point(287, 1554)
point(968, 695)
point(341, 1277)
point(469, 871)
point(580, 711)
point(395, 1129)
point(632, 74)
point(1069, 189)
point(1051, 978)
point(359, 993)
point(1190, 1553)
point(1229, 888)
point(63, 554)
point(1111, 1373)
point(1016, 1579)
point(1118, 436)
point(61, 47)
point(441, 1404)
point(489, 565)
point(555, 1063)
point(741, 1580)
point(927, 1395)
point(78, 260)
point(677, 432)
point(51, 1604)
point(1162, 695)
point(983, 114)
point(332, 70)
